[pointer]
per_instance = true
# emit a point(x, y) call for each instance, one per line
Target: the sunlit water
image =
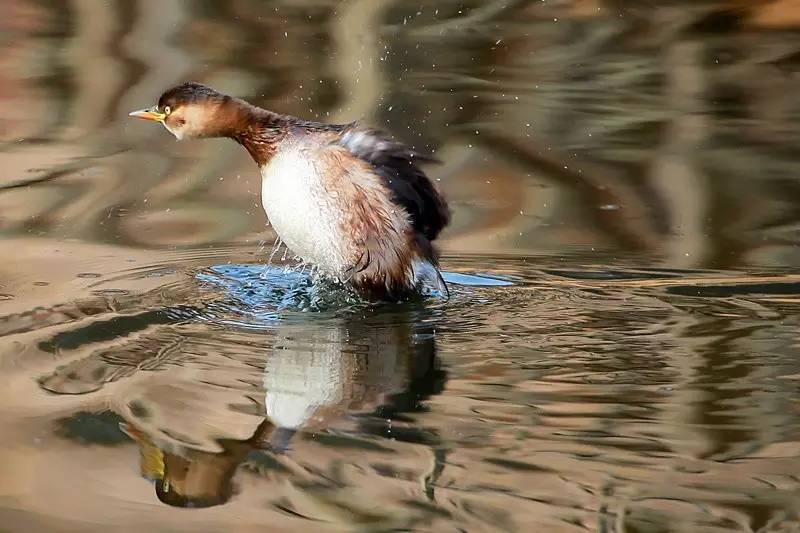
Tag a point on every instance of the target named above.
point(619, 351)
point(570, 399)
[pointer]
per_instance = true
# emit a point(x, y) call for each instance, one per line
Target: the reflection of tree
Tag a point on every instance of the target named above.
point(653, 127)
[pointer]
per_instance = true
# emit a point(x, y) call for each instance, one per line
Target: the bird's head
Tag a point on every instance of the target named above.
point(191, 110)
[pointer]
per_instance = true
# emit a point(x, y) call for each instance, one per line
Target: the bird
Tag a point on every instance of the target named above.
point(349, 200)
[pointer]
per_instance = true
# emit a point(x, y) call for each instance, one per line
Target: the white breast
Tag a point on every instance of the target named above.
point(303, 213)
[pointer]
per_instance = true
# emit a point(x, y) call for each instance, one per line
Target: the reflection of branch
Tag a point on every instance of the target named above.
point(48, 176)
point(357, 60)
point(594, 195)
point(75, 165)
point(475, 17)
point(431, 477)
point(673, 173)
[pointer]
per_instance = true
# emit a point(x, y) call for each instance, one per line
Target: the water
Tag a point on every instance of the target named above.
point(620, 348)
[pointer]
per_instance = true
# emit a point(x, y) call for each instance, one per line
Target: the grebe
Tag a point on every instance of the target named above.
point(349, 200)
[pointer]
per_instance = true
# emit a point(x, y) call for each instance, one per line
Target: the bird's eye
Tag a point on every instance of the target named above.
point(167, 110)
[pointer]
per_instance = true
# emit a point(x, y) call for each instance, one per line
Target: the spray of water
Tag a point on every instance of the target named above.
point(275, 247)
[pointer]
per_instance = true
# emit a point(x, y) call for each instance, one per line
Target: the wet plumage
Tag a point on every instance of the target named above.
point(349, 200)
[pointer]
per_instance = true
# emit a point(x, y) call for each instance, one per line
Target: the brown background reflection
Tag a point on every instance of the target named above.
point(624, 174)
point(607, 127)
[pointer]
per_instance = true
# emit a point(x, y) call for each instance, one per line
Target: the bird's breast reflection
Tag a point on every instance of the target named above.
point(315, 376)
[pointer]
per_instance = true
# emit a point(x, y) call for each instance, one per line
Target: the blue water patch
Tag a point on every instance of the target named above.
point(257, 295)
point(261, 291)
point(473, 280)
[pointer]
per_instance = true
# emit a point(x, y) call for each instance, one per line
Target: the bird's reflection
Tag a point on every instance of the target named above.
point(187, 477)
point(318, 375)
point(195, 429)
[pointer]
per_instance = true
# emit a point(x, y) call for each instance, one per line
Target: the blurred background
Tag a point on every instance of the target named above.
point(620, 352)
point(667, 131)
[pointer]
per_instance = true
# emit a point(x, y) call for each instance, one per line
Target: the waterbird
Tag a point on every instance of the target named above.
point(349, 200)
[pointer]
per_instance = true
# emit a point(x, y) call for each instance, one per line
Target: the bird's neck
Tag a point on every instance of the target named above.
point(259, 131)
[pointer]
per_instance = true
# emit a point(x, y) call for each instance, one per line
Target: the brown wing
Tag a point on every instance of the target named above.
point(397, 165)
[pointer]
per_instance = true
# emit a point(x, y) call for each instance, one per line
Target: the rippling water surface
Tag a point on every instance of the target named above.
point(619, 351)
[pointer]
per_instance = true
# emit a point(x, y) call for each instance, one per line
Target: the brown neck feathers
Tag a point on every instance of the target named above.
point(258, 130)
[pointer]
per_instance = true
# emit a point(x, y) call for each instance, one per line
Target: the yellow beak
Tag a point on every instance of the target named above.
point(149, 114)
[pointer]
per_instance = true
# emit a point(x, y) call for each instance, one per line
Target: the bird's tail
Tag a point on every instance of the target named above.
point(426, 273)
